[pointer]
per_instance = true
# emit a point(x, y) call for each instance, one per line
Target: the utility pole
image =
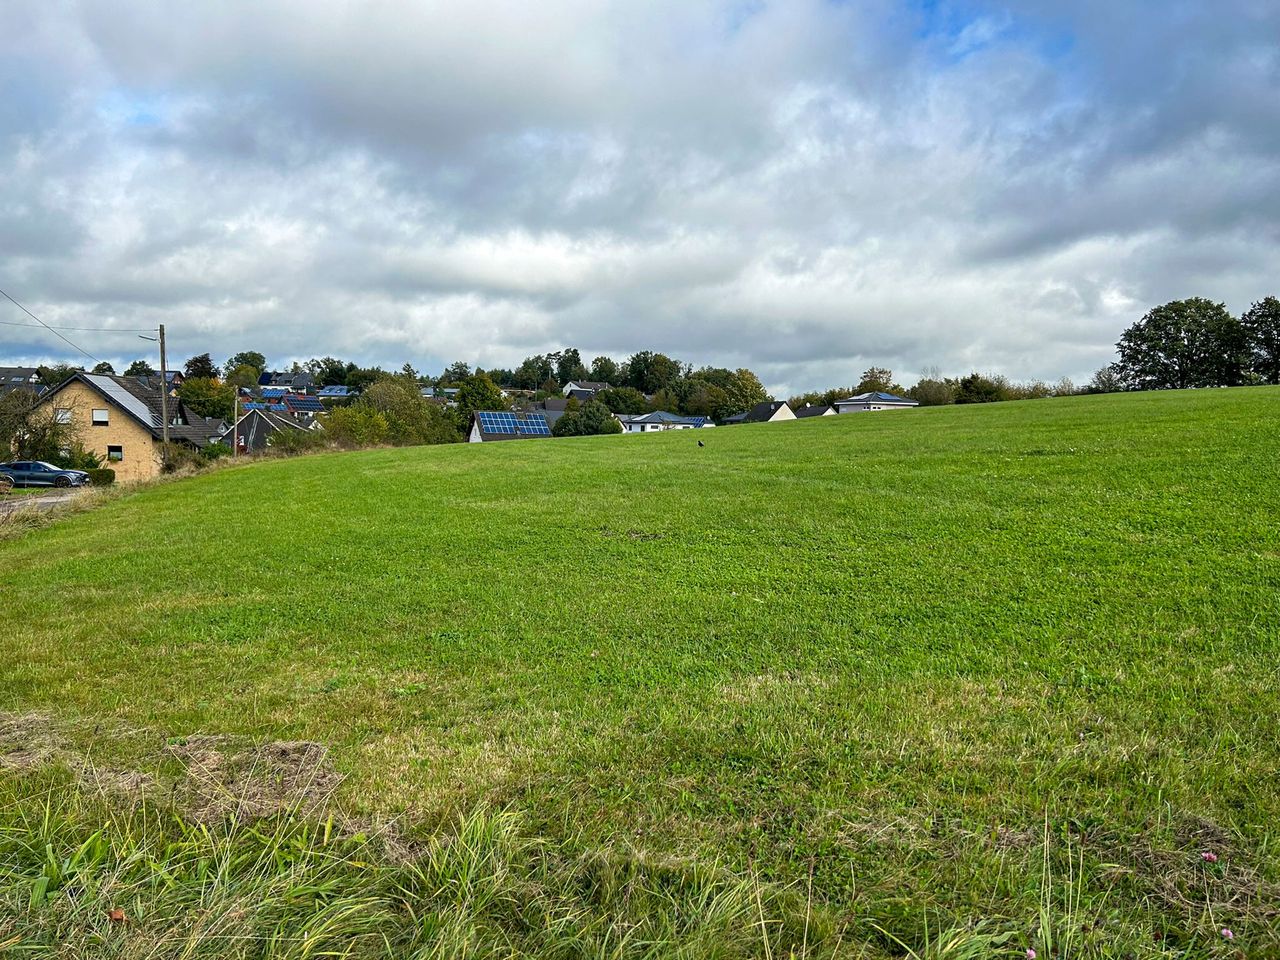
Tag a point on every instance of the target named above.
point(164, 401)
point(235, 424)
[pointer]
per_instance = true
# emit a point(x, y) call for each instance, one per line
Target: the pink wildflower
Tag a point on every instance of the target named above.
point(1031, 954)
point(1227, 934)
point(1209, 857)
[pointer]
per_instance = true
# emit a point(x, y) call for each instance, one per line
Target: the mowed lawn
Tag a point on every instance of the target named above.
point(899, 661)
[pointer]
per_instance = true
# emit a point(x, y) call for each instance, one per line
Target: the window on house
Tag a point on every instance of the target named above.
point(100, 418)
point(62, 415)
point(115, 453)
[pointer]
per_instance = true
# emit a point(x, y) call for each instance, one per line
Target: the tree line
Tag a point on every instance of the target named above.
point(1198, 343)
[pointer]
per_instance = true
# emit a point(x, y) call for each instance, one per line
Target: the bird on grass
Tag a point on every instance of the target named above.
point(701, 444)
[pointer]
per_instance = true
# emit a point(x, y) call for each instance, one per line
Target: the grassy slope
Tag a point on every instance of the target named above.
point(887, 650)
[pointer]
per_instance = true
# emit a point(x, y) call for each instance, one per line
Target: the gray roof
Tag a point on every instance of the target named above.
point(15, 374)
point(878, 396)
point(757, 414)
point(255, 428)
point(813, 410)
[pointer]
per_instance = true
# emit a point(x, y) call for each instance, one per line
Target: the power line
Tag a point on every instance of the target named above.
point(68, 340)
point(17, 323)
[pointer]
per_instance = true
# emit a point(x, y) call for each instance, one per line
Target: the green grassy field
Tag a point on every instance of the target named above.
point(1012, 665)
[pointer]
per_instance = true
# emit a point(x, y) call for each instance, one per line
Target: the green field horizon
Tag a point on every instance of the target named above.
point(936, 667)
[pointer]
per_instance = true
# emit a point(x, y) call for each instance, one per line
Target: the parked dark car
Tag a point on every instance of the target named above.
point(37, 473)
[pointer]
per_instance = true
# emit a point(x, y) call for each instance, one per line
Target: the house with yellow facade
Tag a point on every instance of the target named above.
point(120, 420)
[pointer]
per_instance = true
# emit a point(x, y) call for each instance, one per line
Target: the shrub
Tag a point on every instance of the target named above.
point(101, 476)
point(355, 426)
point(216, 451)
point(593, 418)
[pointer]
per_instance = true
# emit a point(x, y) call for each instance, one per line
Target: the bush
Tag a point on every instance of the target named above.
point(216, 451)
point(101, 476)
point(594, 418)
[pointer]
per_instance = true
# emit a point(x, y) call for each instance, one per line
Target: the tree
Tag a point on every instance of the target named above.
point(933, 390)
point(34, 432)
point(455, 374)
point(1261, 323)
point(592, 419)
point(533, 371)
point(200, 367)
point(877, 379)
point(54, 374)
point(479, 393)
point(104, 368)
point(569, 366)
point(623, 400)
point(976, 388)
point(139, 368)
point(650, 372)
point(1105, 380)
point(359, 425)
point(360, 378)
point(410, 419)
point(604, 370)
point(329, 371)
point(207, 397)
point(243, 376)
point(1180, 344)
point(246, 358)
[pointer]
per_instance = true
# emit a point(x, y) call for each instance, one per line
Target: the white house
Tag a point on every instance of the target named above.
point(874, 400)
point(579, 387)
point(658, 421)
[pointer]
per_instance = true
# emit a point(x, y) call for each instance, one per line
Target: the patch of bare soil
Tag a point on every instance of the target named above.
point(223, 779)
point(27, 740)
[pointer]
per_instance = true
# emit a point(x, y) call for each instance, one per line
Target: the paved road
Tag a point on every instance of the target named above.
point(39, 501)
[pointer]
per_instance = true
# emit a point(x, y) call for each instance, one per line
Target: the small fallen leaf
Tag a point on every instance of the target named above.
point(116, 915)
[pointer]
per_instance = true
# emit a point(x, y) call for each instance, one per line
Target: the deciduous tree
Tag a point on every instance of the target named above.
point(200, 367)
point(1261, 323)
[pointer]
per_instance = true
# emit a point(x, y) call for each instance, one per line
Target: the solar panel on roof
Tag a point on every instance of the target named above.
point(278, 407)
point(123, 397)
point(273, 392)
point(304, 403)
point(529, 424)
point(253, 406)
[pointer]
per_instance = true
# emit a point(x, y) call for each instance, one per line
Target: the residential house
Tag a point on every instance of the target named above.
point(489, 425)
point(659, 421)
point(20, 378)
point(254, 431)
point(446, 395)
point(769, 411)
point(553, 408)
point(873, 400)
point(583, 390)
point(335, 392)
point(299, 382)
point(120, 420)
point(173, 380)
point(815, 410)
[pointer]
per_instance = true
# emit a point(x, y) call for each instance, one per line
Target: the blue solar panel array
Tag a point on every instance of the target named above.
point(699, 421)
point(273, 393)
point(529, 425)
point(253, 406)
point(278, 407)
point(305, 403)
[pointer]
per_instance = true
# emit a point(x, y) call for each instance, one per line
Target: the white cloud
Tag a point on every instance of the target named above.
point(800, 186)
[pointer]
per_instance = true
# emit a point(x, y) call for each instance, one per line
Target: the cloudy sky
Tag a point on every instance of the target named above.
point(805, 187)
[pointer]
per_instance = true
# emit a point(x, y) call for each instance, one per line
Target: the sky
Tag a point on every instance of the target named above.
point(803, 187)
